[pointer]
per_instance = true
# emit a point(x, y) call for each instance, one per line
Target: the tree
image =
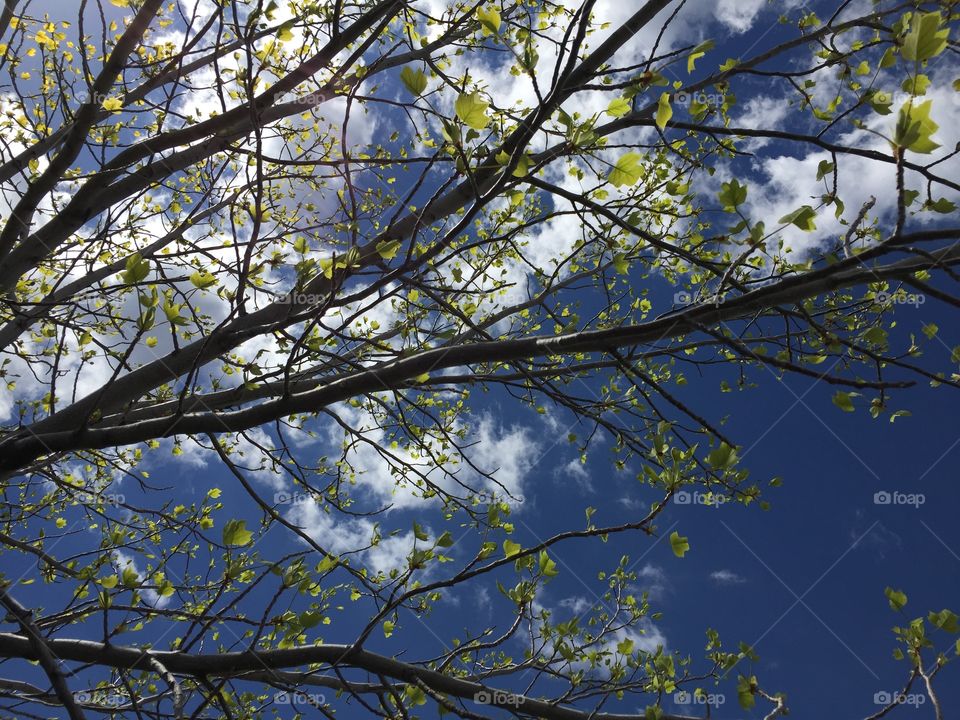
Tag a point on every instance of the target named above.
point(238, 230)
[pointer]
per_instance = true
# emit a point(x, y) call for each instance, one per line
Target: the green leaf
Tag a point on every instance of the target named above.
point(627, 170)
point(511, 548)
point(109, 582)
point(889, 58)
point(489, 18)
point(679, 544)
point(925, 39)
point(387, 249)
point(896, 598)
point(618, 107)
point(285, 34)
point(745, 691)
point(472, 110)
point(842, 400)
point(722, 457)
point(698, 52)
point(203, 280)
point(523, 166)
point(915, 127)
point(625, 646)
point(388, 626)
point(309, 619)
point(445, 540)
point(136, 269)
point(664, 111)
point(945, 620)
point(327, 563)
point(941, 206)
point(414, 80)
point(824, 168)
point(881, 102)
point(129, 577)
point(547, 566)
point(732, 194)
point(916, 85)
point(620, 263)
point(235, 533)
point(802, 218)
point(415, 695)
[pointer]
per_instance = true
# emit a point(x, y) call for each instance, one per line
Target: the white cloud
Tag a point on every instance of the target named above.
point(577, 472)
point(577, 604)
point(652, 580)
point(738, 15)
point(726, 577)
point(123, 561)
point(339, 534)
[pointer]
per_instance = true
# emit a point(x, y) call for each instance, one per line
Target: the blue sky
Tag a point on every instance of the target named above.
point(802, 582)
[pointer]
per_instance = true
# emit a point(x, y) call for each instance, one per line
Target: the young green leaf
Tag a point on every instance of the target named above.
point(489, 18)
point(235, 533)
point(842, 400)
point(547, 566)
point(618, 107)
point(802, 218)
point(679, 544)
point(896, 598)
point(698, 52)
point(414, 80)
point(946, 620)
point(626, 171)
point(925, 39)
point(915, 128)
point(203, 280)
point(664, 111)
point(387, 249)
point(621, 264)
point(472, 110)
point(732, 194)
point(511, 548)
point(136, 269)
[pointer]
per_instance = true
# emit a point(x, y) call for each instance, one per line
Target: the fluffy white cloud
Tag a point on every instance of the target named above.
point(738, 15)
point(123, 561)
point(652, 580)
point(726, 577)
point(340, 534)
